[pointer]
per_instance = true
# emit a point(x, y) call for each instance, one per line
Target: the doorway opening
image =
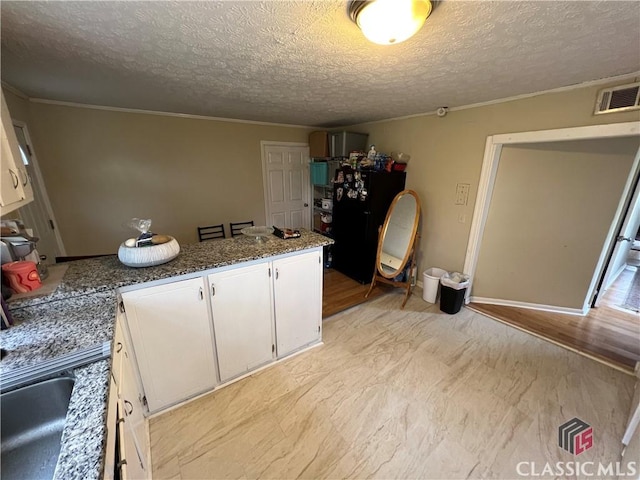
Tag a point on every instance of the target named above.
point(608, 333)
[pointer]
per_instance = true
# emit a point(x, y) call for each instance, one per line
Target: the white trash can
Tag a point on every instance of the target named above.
point(430, 283)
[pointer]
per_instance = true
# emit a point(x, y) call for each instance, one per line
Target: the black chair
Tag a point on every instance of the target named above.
point(236, 228)
point(211, 232)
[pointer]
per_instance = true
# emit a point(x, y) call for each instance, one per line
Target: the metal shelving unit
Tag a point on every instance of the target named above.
point(320, 192)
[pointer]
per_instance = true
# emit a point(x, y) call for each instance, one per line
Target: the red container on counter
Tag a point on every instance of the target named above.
point(21, 276)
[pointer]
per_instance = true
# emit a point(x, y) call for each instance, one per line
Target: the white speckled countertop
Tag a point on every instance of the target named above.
point(80, 313)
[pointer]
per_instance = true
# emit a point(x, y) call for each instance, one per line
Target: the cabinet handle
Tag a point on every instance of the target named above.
point(128, 403)
point(121, 463)
point(277, 273)
point(119, 347)
point(14, 178)
point(213, 290)
point(26, 178)
point(201, 294)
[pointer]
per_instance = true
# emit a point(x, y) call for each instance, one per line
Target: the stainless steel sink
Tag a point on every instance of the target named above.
point(32, 419)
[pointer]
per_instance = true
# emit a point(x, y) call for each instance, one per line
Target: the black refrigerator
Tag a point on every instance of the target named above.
point(360, 203)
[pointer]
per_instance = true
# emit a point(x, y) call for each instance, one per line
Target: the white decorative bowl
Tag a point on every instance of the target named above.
point(149, 256)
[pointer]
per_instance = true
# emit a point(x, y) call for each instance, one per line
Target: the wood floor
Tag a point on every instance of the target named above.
point(608, 333)
point(341, 292)
point(399, 394)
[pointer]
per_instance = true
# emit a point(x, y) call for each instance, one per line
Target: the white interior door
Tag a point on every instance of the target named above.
point(38, 214)
point(624, 241)
point(285, 171)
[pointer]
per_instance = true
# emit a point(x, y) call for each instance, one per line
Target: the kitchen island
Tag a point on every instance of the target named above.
point(81, 313)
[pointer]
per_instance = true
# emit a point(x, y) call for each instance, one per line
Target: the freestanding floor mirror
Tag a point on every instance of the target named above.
point(397, 243)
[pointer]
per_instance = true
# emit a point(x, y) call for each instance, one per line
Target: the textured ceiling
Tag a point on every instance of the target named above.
point(305, 62)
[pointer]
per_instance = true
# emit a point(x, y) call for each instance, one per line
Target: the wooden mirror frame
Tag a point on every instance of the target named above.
point(379, 275)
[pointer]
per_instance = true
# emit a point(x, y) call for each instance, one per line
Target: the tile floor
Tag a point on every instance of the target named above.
point(399, 394)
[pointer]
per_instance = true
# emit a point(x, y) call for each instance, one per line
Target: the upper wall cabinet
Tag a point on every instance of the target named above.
point(15, 183)
point(319, 144)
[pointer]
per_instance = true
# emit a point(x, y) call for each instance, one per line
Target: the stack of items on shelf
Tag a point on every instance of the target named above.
point(396, 162)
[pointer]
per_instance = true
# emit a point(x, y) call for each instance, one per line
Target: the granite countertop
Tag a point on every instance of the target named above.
point(107, 273)
point(80, 313)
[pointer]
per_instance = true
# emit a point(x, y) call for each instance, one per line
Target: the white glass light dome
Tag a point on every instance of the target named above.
point(387, 22)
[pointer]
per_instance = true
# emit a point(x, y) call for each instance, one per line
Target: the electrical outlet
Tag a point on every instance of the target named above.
point(462, 193)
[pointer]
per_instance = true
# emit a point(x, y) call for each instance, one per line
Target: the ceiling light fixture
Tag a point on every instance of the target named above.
point(388, 22)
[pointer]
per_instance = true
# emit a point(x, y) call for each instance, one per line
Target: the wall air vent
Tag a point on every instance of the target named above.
point(618, 99)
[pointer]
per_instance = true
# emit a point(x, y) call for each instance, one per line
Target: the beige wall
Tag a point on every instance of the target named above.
point(449, 150)
point(551, 210)
point(102, 168)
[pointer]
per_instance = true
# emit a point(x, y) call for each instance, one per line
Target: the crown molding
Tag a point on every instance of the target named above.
point(14, 90)
point(591, 83)
point(165, 114)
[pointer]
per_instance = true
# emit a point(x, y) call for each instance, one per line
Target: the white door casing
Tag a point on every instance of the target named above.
point(285, 174)
point(493, 150)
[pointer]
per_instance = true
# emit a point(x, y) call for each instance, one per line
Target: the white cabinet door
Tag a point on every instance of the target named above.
point(133, 410)
point(172, 339)
point(12, 175)
point(131, 465)
point(242, 318)
point(298, 301)
point(117, 351)
point(112, 432)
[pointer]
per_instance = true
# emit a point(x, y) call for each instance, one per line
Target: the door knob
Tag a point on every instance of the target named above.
point(306, 204)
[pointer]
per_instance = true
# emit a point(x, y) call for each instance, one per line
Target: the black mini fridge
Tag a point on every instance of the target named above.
point(360, 203)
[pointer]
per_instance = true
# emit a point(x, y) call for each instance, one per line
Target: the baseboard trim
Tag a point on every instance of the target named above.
point(531, 306)
point(613, 278)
